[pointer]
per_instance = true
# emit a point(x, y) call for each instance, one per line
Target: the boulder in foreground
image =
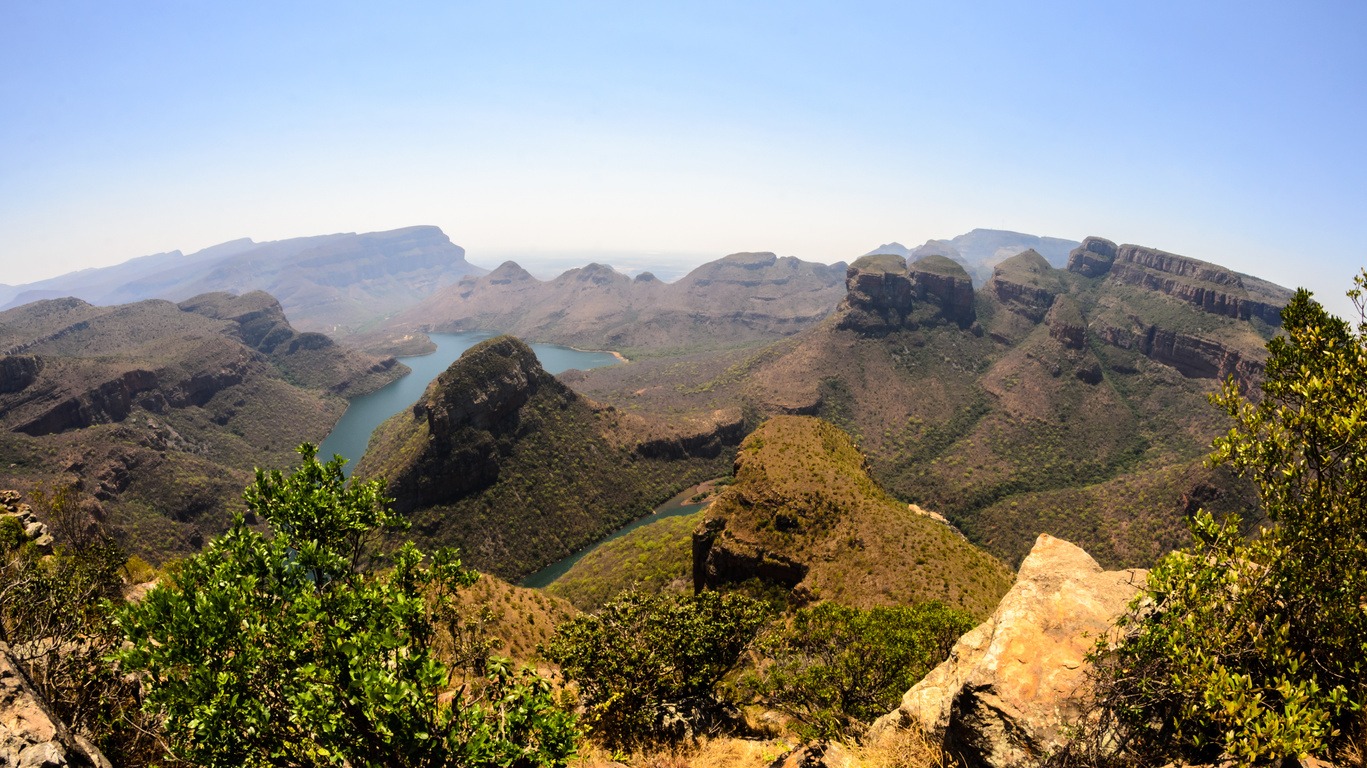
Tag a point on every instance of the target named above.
point(1010, 686)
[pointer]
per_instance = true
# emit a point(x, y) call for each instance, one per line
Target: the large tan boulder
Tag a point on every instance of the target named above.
point(1011, 684)
point(30, 735)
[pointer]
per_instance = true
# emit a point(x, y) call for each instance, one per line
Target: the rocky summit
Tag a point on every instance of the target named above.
point(502, 459)
point(884, 293)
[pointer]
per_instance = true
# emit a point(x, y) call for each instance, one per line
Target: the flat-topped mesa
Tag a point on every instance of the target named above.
point(1209, 287)
point(879, 295)
point(883, 294)
point(945, 284)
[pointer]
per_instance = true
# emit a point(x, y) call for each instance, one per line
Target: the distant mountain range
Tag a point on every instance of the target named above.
point(982, 250)
point(331, 283)
point(741, 298)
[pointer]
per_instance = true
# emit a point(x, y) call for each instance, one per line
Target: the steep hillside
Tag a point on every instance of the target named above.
point(158, 411)
point(1063, 387)
point(805, 514)
point(336, 284)
point(740, 299)
point(503, 460)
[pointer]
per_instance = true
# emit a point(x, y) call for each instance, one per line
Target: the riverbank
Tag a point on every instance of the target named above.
point(690, 500)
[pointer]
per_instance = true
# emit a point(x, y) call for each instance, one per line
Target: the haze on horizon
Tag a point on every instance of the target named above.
point(1225, 131)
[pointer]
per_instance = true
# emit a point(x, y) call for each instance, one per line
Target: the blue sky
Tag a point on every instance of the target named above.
point(1231, 132)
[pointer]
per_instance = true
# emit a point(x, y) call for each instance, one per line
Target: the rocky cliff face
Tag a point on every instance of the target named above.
point(879, 295)
point(1066, 323)
point(1093, 258)
point(1193, 356)
point(944, 285)
point(471, 413)
point(1011, 686)
point(883, 294)
point(1026, 285)
point(1209, 287)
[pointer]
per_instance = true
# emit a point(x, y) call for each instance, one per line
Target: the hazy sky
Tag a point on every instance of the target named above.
point(1232, 132)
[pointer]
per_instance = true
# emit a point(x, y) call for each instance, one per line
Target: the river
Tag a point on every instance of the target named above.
point(363, 414)
point(672, 508)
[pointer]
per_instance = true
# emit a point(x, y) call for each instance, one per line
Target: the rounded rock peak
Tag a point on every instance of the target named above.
point(940, 265)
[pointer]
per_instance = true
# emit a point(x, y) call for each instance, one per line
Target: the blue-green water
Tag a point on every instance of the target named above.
point(672, 508)
point(363, 414)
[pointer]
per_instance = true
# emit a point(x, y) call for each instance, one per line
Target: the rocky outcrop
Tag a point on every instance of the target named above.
point(1011, 686)
point(804, 515)
point(34, 529)
point(468, 411)
point(1023, 284)
point(879, 295)
point(724, 428)
point(31, 736)
point(1093, 258)
point(108, 402)
point(945, 285)
point(17, 372)
point(883, 294)
point(1192, 356)
point(1209, 287)
point(720, 558)
point(259, 319)
point(1066, 323)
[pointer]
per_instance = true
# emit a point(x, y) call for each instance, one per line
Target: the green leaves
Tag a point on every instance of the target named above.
point(642, 655)
point(836, 668)
point(285, 649)
point(1254, 649)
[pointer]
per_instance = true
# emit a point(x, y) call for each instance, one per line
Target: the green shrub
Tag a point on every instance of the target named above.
point(645, 658)
point(289, 649)
point(834, 668)
point(1256, 649)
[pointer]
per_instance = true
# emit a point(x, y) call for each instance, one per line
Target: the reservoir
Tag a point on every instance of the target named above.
point(363, 414)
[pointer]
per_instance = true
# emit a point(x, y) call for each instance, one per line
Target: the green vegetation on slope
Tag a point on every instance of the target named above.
point(804, 512)
point(657, 557)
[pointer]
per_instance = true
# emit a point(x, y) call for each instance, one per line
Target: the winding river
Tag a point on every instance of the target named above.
point(363, 414)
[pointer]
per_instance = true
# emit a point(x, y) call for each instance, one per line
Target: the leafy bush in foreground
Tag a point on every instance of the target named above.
point(1258, 650)
point(644, 657)
point(287, 649)
point(836, 668)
